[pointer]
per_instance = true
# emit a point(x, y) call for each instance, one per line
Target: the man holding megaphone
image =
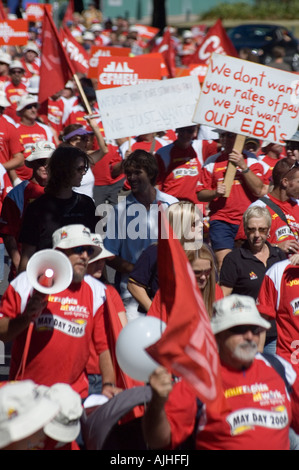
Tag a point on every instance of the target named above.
point(65, 318)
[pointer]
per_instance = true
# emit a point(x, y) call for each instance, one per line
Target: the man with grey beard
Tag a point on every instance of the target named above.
point(259, 408)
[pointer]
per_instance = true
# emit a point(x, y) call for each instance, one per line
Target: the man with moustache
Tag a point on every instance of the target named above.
point(64, 323)
point(259, 408)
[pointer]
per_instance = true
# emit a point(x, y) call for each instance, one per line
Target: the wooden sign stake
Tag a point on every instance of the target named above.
point(231, 168)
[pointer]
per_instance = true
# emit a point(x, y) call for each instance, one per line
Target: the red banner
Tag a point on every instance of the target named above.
point(76, 53)
point(119, 71)
point(97, 52)
point(68, 15)
point(13, 32)
point(56, 68)
point(166, 48)
point(199, 70)
point(35, 12)
point(215, 41)
point(187, 347)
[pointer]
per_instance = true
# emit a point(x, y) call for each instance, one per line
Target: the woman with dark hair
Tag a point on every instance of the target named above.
point(78, 136)
point(60, 205)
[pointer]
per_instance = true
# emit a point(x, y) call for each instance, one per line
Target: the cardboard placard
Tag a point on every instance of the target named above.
point(148, 107)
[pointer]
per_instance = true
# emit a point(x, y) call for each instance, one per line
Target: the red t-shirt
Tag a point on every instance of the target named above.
point(229, 209)
point(279, 298)
point(13, 94)
point(258, 418)
point(9, 141)
point(180, 169)
point(280, 231)
point(28, 135)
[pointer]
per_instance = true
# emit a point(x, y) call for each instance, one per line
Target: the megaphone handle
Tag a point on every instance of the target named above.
point(22, 365)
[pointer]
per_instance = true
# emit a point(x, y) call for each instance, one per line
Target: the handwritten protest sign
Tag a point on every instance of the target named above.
point(249, 99)
point(149, 107)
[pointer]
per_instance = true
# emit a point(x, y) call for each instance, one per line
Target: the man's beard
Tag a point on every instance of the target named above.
point(245, 351)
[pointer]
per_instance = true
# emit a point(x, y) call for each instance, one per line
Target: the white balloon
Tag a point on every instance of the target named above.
point(131, 343)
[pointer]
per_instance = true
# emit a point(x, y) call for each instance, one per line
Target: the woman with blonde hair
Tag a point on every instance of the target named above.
point(203, 264)
point(186, 220)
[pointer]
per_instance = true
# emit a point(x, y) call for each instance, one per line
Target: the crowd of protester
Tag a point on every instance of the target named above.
point(57, 173)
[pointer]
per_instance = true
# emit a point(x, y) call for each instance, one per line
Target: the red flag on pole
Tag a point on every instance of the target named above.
point(216, 40)
point(187, 347)
point(56, 68)
point(76, 53)
point(166, 48)
point(68, 15)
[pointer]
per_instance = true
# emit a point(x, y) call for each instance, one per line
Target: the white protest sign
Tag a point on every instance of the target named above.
point(148, 107)
point(249, 99)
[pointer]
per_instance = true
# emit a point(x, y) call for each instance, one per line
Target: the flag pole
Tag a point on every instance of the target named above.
point(82, 94)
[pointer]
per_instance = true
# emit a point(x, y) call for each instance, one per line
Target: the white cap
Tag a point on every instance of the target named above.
point(41, 150)
point(74, 235)
point(16, 64)
point(88, 36)
point(187, 34)
point(31, 46)
point(25, 100)
point(96, 27)
point(65, 427)
point(5, 57)
point(3, 100)
point(70, 84)
point(235, 310)
point(97, 239)
point(33, 87)
point(23, 411)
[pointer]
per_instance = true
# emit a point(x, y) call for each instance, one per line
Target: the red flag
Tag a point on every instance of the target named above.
point(68, 15)
point(3, 14)
point(166, 48)
point(187, 347)
point(76, 53)
point(56, 68)
point(215, 41)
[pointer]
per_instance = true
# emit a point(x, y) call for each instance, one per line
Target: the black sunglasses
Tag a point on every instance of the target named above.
point(242, 329)
point(30, 106)
point(78, 250)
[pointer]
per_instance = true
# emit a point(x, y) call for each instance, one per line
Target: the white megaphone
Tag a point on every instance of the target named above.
point(49, 271)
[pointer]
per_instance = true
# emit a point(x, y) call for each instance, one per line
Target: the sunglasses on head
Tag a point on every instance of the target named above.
point(242, 329)
point(78, 250)
point(292, 146)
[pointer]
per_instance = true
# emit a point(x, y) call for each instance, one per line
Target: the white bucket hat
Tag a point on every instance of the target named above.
point(74, 235)
point(97, 239)
point(16, 64)
point(25, 100)
point(31, 46)
point(235, 310)
point(41, 150)
point(65, 426)
point(23, 411)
